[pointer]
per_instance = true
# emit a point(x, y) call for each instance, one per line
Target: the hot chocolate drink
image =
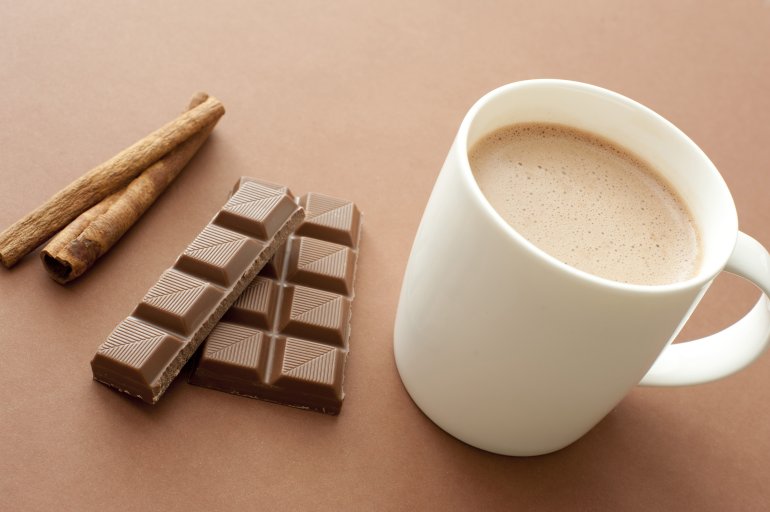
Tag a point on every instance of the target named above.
point(588, 202)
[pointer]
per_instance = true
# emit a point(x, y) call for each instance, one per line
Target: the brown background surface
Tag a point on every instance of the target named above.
point(358, 100)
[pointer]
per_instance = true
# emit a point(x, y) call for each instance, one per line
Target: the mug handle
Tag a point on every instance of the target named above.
point(731, 349)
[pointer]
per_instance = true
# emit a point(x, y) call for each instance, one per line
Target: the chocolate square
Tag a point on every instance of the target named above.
point(315, 314)
point(134, 356)
point(236, 351)
point(312, 368)
point(178, 302)
point(256, 305)
point(256, 209)
point(331, 219)
point(319, 264)
point(219, 255)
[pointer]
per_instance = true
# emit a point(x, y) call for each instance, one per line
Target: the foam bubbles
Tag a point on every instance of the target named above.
point(588, 202)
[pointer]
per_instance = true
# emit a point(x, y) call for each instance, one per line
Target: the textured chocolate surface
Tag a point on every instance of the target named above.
point(148, 349)
point(286, 338)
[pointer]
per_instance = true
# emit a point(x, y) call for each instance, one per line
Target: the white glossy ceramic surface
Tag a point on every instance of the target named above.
point(511, 350)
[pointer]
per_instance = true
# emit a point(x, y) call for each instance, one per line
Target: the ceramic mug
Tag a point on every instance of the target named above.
point(512, 351)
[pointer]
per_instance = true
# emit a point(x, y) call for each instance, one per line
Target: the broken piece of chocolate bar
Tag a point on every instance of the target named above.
point(148, 349)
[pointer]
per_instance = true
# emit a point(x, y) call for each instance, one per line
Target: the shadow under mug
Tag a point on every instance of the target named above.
point(509, 349)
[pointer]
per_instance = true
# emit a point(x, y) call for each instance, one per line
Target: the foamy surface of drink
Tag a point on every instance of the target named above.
point(588, 202)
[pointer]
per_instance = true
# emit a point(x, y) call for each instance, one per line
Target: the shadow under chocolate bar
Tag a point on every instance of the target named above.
point(148, 349)
point(286, 338)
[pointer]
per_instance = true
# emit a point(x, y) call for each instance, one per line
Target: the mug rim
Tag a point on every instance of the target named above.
point(705, 273)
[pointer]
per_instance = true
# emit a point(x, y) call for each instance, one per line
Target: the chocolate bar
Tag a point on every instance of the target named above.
point(286, 338)
point(148, 349)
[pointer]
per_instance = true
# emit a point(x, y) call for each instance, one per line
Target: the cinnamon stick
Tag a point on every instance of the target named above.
point(101, 181)
point(77, 247)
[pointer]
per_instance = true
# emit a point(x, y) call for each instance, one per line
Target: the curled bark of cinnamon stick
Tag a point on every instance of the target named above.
point(101, 181)
point(77, 247)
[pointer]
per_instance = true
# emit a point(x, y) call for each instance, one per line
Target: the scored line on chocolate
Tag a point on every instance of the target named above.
point(148, 349)
point(284, 256)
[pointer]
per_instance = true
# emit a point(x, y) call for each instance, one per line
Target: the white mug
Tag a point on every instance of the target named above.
point(512, 351)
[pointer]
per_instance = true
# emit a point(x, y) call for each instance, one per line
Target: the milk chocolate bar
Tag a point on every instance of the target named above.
point(148, 349)
point(286, 338)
